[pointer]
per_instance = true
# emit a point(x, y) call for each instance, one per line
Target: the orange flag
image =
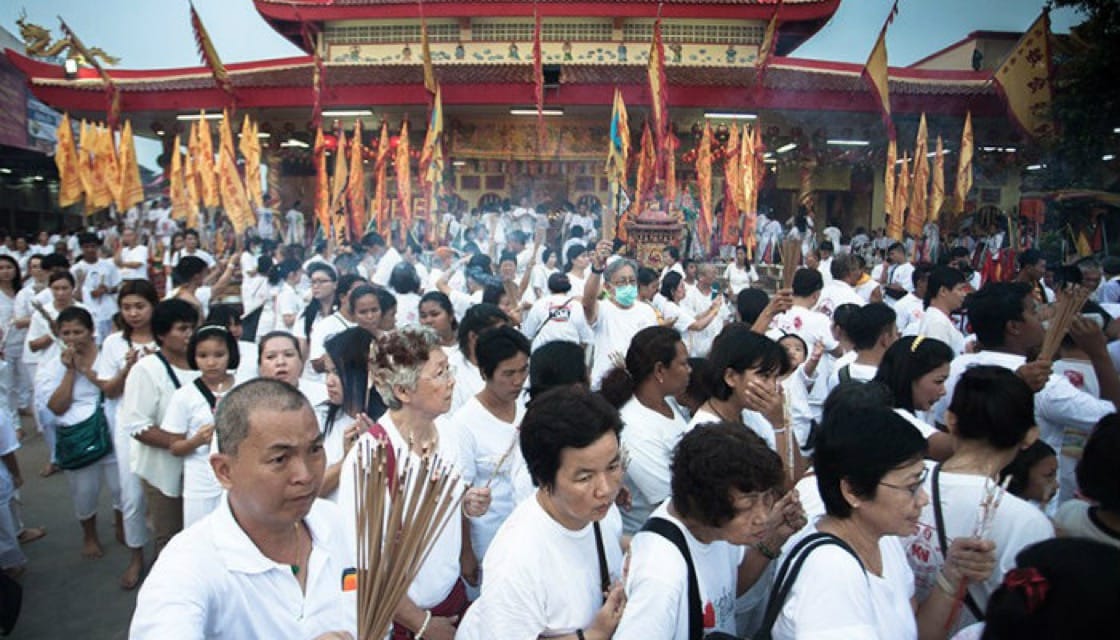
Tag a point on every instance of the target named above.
point(204, 162)
point(235, 202)
point(889, 173)
point(381, 194)
point(964, 167)
point(937, 189)
point(322, 188)
point(339, 180)
point(403, 164)
point(901, 199)
point(746, 170)
point(176, 185)
point(646, 161)
point(66, 159)
point(191, 183)
point(85, 163)
point(103, 162)
point(919, 188)
point(759, 171)
point(112, 167)
point(704, 184)
point(250, 147)
point(1024, 80)
point(729, 226)
point(131, 192)
point(356, 187)
point(670, 152)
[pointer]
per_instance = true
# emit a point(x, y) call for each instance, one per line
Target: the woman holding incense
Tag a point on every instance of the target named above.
point(412, 375)
point(487, 426)
point(992, 416)
point(348, 398)
point(553, 570)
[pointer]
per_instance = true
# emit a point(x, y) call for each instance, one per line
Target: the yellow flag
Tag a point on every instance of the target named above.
point(66, 159)
point(964, 167)
point(175, 183)
point(889, 173)
point(1024, 80)
point(322, 188)
point(937, 189)
point(204, 162)
point(901, 198)
point(356, 186)
point(380, 202)
point(876, 74)
point(228, 182)
point(402, 162)
point(103, 162)
point(250, 148)
point(919, 189)
point(131, 190)
point(85, 163)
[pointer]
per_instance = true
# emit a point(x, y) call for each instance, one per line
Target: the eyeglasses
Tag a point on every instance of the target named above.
point(623, 283)
point(315, 281)
point(912, 489)
point(443, 376)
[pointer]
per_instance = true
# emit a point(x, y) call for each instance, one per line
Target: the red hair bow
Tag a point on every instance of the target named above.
point(1032, 583)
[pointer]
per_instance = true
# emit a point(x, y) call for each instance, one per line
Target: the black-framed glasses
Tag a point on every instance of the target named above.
point(912, 489)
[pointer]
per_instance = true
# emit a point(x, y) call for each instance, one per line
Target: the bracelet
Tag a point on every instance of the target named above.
point(766, 551)
point(597, 272)
point(782, 430)
point(944, 585)
point(579, 634)
point(424, 627)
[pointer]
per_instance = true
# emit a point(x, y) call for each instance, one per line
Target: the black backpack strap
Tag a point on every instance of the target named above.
point(845, 374)
point(206, 393)
point(604, 571)
point(787, 576)
point(943, 542)
point(170, 371)
point(672, 533)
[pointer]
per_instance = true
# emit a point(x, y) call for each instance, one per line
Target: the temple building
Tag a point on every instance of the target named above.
point(812, 113)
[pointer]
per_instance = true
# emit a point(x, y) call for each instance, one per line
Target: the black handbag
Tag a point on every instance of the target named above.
point(82, 444)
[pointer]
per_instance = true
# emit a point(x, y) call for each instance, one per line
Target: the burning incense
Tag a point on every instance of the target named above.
point(399, 515)
point(791, 260)
point(1066, 309)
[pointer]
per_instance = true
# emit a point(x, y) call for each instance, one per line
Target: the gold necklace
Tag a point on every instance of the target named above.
point(299, 546)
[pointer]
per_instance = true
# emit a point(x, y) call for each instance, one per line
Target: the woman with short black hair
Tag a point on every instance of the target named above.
point(570, 528)
point(915, 368)
point(468, 378)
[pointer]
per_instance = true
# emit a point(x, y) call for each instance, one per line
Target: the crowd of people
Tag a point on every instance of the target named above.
point(875, 452)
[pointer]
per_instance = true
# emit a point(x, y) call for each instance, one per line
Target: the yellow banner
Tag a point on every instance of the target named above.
point(1024, 80)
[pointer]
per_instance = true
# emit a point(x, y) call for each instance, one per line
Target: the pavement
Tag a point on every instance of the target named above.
point(64, 594)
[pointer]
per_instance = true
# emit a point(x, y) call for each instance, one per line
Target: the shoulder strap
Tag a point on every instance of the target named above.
point(845, 374)
point(672, 533)
point(942, 541)
point(206, 393)
point(170, 371)
point(787, 575)
point(604, 571)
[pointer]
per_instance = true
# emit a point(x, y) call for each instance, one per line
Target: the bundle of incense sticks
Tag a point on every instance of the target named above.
point(791, 260)
point(399, 514)
point(505, 456)
point(985, 516)
point(1066, 309)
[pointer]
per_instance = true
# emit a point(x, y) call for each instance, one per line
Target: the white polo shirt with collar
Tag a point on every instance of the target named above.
point(211, 581)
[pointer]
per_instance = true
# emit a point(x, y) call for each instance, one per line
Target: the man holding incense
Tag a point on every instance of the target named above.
point(271, 560)
point(1005, 318)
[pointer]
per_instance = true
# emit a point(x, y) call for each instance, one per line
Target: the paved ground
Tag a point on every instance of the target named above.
point(65, 595)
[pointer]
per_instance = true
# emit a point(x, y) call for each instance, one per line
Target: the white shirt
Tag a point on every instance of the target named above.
point(188, 412)
point(1017, 524)
point(935, 324)
point(322, 330)
point(649, 439)
point(740, 278)
point(211, 581)
point(811, 326)
point(557, 316)
point(1077, 518)
point(139, 253)
point(836, 293)
point(902, 275)
point(198, 253)
point(408, 309)
point(93, 275)
point(83, 399)
point(540, 578)
point(485, 441)
point(613, 329)
point(657, 604)
point(390, 259)
point(857, 371)
point(147, 395)
point(834, 598)
point(909, 311)
point(468, 380)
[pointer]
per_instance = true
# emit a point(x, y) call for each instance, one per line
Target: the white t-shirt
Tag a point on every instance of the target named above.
point(834, 598)
point(322, 330)
point(935, 324)
point(740, 278)
point(1017, 524)
point(186, 414)
point(389, 259)
point(139, 253)
point(39, 328)
point(657, 604)
point(613, 330)
point(485, 441)
point(114, 350)
point(540, 578)
point(909, 311)
point(83, 399)
point(1079, 519)
point(288, 302)
point(648, 439)
point(468, 380)
point(557, 316)
point(102, 272)
point(811, 326)
point(198, 253)
point(836, 293)
point(212, 581)
point(858, 372)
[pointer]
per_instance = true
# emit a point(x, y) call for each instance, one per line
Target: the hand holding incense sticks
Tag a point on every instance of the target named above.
point(1066, 309)
point(985, 516)
point(791, 260)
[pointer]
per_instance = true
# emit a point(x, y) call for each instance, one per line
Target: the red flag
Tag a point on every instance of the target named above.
point(356, 186)
point(322, 184)
point(729, 226)
point(210, 54)
point(402, 163)
point(657, 84)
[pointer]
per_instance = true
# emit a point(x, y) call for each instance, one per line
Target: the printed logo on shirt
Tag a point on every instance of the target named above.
point(350, 579)
point(1076, 379)
point(559, 313)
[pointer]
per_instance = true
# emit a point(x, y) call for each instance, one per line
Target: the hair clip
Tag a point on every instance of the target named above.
point(917, 341)
point(1031, 582)
point(213, 326)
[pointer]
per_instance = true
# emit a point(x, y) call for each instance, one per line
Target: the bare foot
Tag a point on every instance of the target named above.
point(131, 576)
point(49, 470)
point(91, 549)
point(31, 534)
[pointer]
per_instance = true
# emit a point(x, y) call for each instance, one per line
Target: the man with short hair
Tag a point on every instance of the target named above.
point(911, 308)
point(824, 262)
point(271, 560)
point(846, 273)
point(132, 258)
point(98, 280)
point(800, 320)
point(945, 293)
point(1110, 290)
point(384, 254)
point(191, 247)
point(1032, 266)
point(899, 274)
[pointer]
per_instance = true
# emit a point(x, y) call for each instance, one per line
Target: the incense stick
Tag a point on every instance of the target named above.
point(791, 260)
point(989, 504)
point(1066, 309)
point(509, 450)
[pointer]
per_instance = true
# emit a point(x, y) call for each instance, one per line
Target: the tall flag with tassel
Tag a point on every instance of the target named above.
point(670, 151)
point(657, 86)
point(85, 163)
point(381, 192)
point(322, 184)
point(964, 168)
point(876, 73)
point(646, 167)
point(618, 153)
point(356, 187)
point(110, 164)
point(402, 164)
point(100, 196)
point(729, 226)
point(769, 44)
point(176, 189)
point(250, 147)
point(704, 185)
point(230, 188)
point(426, 55)
point(889, 173)
point(131, 192)
point(746, 175)
point(192, 179)
point(1025, 83)
point(205, 164)
point(210, 54)
point(431, 163)
point(937, 188)
point(919, 188)
point(750, 215)
point(901, 199)
point(538, 80)
point(66, 159)
point(339, 180)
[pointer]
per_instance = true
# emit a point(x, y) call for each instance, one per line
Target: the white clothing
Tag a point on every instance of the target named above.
point(923, 427)
point(91, 276)
point(408, 309)
point(678, 317)
point(139, 253)
point(212, 581)
point(657, 602)
point(188, 412)
point(935, 324)
point(147, 395)
point(740, 278)
point(857, 371)
point(797, 387)
point(909, 311)
point(613, 330)
point(468, 380)
point(389, 259)
point(833, 597)
point(902, 275)
point(288, 303)
point(811, 326)
point(1083, 377)
point(836, 293)
point(1017, 524)
point(541, 579)
point(1079, 519)
point(485, 441)
point(295, 232)
point(39, 328)
point(648, 439)
point(440, 571)
point(557, 316)
point(751, 420)
point(322, 330)
point(197, 253)
point(10, 554)
point(248, 263)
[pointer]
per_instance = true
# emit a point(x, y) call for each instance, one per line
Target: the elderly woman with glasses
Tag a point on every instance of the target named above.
point(847, 576)
point(412, 374)
point(616, 320)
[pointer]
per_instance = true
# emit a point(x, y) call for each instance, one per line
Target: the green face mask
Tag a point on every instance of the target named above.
point(626, 295)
